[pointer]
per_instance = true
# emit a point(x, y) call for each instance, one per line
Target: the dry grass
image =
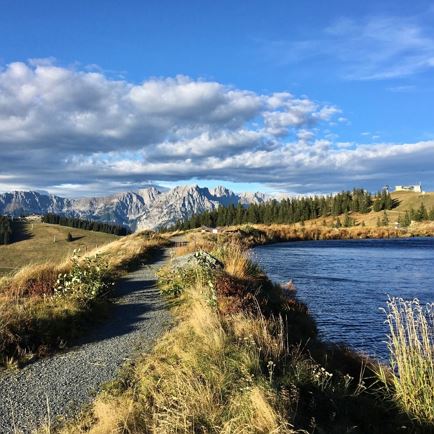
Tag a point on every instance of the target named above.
point(127, 251)
point(33, 280)
point(237, 372)
point(314, 230)
point(32, 321)
point(194, 241)
point(39, 279)
point(205, 375)
point(411, 343)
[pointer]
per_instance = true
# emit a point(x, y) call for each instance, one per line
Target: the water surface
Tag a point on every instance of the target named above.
point(345, 283)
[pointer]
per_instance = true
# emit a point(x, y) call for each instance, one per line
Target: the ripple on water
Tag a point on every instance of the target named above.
point(345, 283)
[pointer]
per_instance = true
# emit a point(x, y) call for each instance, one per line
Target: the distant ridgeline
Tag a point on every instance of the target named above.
point(6, 230)
point(288, 211)
point(88, 225)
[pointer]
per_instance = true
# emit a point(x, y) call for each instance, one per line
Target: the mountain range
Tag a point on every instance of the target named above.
point(148, 208)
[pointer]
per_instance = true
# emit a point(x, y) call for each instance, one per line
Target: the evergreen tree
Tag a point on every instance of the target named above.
point(407, 219)
point(385, 220)
point(347, 221)
point(422, 213)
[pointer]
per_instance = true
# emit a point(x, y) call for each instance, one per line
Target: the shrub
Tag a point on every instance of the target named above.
point(88, 279)
point(173, 280)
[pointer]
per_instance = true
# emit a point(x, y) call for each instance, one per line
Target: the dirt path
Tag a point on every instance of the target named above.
point(59, 386)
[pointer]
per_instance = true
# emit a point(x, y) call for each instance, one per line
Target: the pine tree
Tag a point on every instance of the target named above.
point(385, 220)
point(407, 219)
point(347, 221)
point(422, 213)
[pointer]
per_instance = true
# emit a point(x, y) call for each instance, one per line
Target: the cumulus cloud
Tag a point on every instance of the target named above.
point(68, 130)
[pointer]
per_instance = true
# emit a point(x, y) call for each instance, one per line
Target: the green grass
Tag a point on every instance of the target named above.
point(39, 246)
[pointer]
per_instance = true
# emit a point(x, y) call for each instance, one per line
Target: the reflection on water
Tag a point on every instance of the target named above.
point(345, 283)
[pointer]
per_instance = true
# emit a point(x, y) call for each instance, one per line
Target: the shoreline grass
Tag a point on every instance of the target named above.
point(410, 381)
point(243, 357)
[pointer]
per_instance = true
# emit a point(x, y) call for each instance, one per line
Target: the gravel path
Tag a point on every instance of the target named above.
point(59, 386)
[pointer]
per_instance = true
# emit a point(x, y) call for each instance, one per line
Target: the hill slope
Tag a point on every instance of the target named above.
point(39, 246)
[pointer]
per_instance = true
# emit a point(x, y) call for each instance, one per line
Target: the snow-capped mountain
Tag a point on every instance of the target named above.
point(148, 208)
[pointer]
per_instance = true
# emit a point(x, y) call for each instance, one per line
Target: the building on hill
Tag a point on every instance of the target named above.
point(417, 188)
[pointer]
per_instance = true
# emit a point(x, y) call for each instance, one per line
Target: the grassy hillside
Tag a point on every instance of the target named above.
point(404, 200)
point(409, 200)
point(37, 245)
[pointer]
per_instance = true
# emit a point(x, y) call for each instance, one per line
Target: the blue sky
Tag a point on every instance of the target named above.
point(273, 95)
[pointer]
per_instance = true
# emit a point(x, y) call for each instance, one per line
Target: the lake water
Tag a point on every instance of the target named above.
point(345, 283)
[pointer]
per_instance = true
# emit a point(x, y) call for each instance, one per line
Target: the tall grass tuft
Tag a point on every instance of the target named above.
point(411, 344)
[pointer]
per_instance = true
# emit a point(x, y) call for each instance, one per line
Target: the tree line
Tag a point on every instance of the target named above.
point(418, 215)
point(6, 230)
point(89, 225)
point(292, 210)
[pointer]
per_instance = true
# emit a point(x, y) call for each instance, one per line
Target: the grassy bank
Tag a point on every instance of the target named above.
point(243, 357)
point(263, 234)
point(40, 312)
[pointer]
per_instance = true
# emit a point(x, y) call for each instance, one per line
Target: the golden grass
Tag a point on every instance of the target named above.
point(29, 311)
point(315, 230)
point(39, 279)
point(203, 376)
point(411, 345)
point(126, 250)
point(194, 241)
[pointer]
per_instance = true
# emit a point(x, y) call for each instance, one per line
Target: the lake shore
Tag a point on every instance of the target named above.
point(253, 235)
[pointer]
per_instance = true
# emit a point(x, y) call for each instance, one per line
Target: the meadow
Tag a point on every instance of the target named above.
point(41, 242)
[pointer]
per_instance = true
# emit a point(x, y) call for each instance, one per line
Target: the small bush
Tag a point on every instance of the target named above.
point(173, 280)
point(88, 279)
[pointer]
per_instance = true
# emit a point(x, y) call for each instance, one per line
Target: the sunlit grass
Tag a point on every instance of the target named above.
point(411, 343)
point(34, 321)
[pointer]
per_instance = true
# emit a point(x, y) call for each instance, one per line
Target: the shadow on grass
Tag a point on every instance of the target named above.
point(135, 299)
point(21, 231)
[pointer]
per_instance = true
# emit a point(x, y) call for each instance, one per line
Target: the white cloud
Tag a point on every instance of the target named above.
point(72, 130)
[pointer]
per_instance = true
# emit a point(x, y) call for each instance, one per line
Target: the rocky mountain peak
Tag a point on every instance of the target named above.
point(147, 208)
